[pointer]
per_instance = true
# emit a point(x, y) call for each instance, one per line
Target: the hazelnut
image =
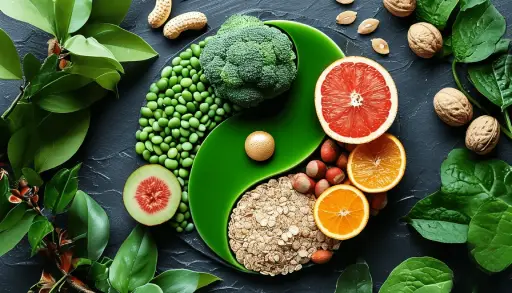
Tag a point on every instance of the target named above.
point(425, 40)
point(483, 135)
point(400, 8)
point(453, 107)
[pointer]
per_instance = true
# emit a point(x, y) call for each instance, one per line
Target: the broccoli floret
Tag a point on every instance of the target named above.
point(248, 62)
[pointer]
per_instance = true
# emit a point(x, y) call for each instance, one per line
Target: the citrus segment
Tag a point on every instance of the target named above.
point(377, 166)
point(341, 212)
point(356, 100)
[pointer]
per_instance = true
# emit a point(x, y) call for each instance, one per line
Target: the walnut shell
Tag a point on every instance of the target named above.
point(425, 40)
point(453, 107)
point(483, 135)
point(400, 8)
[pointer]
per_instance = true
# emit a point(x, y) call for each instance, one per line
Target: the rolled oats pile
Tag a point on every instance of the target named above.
point(272, 229)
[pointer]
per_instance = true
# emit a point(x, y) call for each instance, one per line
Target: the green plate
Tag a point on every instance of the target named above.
point(222, 172)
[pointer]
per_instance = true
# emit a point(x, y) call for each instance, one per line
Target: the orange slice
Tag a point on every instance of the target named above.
point(377, 166)
point(341, 212)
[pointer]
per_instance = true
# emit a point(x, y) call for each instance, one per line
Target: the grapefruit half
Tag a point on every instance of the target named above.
point(356, 100)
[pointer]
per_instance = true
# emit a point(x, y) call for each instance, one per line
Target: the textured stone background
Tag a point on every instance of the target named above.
point(108, 156)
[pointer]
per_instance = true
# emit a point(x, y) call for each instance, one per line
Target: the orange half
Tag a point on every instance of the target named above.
point(377, 166)
point(341, 212)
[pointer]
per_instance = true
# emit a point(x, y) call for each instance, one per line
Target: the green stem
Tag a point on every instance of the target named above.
point(14, 103)
point(507, 120)
point(59, 282)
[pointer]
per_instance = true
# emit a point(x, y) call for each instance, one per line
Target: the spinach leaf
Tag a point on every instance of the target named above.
point(148, 288)
point(39, 229)
point(476, 32)
point(435, 12)
point(355, 278)
point(474, 183)
point(422, 274)
point(466, 4)
point(14, 235)
point(183, 281)
point(28, 11)
point(135, 261)
point(86, 216)
point(31, 66)
point(61, 189)
point(81, 12)
point(32, 177)
point(106, 11)
point(10, 67)
point(437, 217)
point(502, 46)
point(502, 68)
point(490, 237)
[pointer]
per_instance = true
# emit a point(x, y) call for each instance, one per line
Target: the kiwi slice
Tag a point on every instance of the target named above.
point(152, 195)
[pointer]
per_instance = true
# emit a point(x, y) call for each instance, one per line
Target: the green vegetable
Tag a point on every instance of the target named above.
point(419, 274)
point(61, 190)
point(183, 281)
point(40, 228)
point(248, 62)
point(435, 12)
point(355, 278)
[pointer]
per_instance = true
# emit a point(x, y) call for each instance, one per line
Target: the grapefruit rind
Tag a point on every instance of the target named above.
point(131, 204)
point(401, 171)
point(393, 98)
point(356, 231)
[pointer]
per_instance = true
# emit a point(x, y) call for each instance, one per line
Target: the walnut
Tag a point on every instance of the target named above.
point(483, 135)
point(425, 40)
point(453, 107)
point(400, 8)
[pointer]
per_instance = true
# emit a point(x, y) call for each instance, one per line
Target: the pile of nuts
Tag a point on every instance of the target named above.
point(177, 25)
point(272, 230)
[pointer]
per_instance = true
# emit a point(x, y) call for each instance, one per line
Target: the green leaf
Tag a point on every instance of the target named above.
point(106, 11)
point(86, 216)
point(490, 237)
point(98, 273)
point(135, 261)
point(21, 149)
point(73, 101)
point(10, 67)
point(82, 262)
point(419, 274)
point(447, 47)
point(148, 288)
point(46, 75)
point(39, 229)
point(502, 46)
point(5, 205)
point(63, 12)
point(65, 83)
point(99, 69)
point(61, 135)
point(356, 278)
point(125, 45)
point(466, 4)
point(32, 177)
point(476, 32)
point(81, 12)
point(61, 189)
point(183, 281)
point(5, 135)
point(435, 12)
point(79, 45)
point(31, 66)
point(437, 217)
point(14, 235)
point(34, 12)
point(13, 217)
point(474, 183)
point(502, 68)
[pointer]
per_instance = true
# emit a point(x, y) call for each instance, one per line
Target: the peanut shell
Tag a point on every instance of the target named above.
point(483, 134)
point(346, 17)
point(452, 106)
point(400, 8)
point(368, 26)
point(184, 22)
point(160, 13)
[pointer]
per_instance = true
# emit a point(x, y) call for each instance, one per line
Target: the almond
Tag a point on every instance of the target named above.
point(345, 1)
point(380, 46)
point(321, 256)
point(368, 26)
point(346, 17)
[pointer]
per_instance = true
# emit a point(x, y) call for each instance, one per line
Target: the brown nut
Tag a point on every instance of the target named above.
point(346, 17)
point(183, 22)
point(400, 8)
point(368, 26)
point(425, 40)
point(345, 1)
point(321, 256)
point(160, 13)
point(380, 46)
point(483, 135)
point(452, 106)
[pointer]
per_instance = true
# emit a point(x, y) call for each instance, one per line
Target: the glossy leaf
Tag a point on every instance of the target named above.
point(73, 101)
point(21, 149)
point(32, 177)
point(61, 189)
point(466, 4)
point(65, 83)
point(99, 69)
point(476, 32)
point(435, 12)
point(490, 237)
point(63, 12)
point(81, 12)
point(98, 273)
point(183, 281)
point(61, 135)
point(355, 278)
point(46, 75)
point(475, 182)
point(148, 288)
point(10, 238)
point(419, 274)
point(502, 69)
point(125, 45)
point(28, 11)
point(31, 66)
point(106, 11)
point(10, 67)
point(502, 46)
point(5, 205)
point(39, 229)
point(13, 217)
point(135, 261)
point(90, 47)
point(87, 216)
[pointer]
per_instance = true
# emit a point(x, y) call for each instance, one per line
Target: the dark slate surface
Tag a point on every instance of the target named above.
point(108, 156)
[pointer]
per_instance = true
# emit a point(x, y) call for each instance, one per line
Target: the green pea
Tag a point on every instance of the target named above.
point(187, 96)
point(175, 172)
point(195, 77)
point(194, 122)
point(205, 95)
point(189, 227)
point(156, 127)
point(152, 105)
point(196, 149)
point(185, 63)
point(169, 110)
point(143, 136)
point(177, 89)
point(157, 115)
point(173, 80)
point(179, 217)
point(209, 100)
point(187, 162)
point(201, 87)
point(204, 107)
point(195, 62)
point(153, 159)
point(162, 84)
point(160, 102)
point(172, 153)
point(183, 173)
point(181, 109)
point(196, 50)
point(177, 69)
point(139, 148)
point(184, 196)
point(185, 55)
point(204, 119)
point(212, 126)
point(185, 72)
point(174, 102)
point(198, 114)
point(175, 133)
point(227, 108)
point(184, 154)
point(157, 150)
point(150, 136)
point(146, 155)
point(184, 132)
point(186, 116)
point(180, 78)
point(179, 229)
point(183, 208)
point(168, 139)
point(191, 107)
point(162, 134)
point(211, 113)
point(147, 129)
point(143, 122)
point(218, 119)
point(202, 44)
point(185, 124)
point(193, 138)
point(187, 146)
point(183, 139)
point(157, 140)
point(176, 61)
point(161, 159)
point(146, 112)
point(166, 72)
point(182, 100)
point(153, 88)
point(174, 122)
point(220, 112)
point(182, 182)
point(201, 128)
point(151, 96)
point(202, 78)
point(184, 224)
point(214, 107)
point(163, 122)
point(186, 82)
point(149, 146)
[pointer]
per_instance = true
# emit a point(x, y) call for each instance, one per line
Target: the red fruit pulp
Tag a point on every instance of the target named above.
point(152, 195)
